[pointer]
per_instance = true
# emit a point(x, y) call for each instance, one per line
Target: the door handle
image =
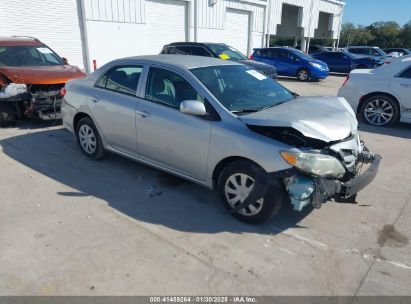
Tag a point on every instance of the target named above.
point(405, 85)
point(95, 99)
point(143, 113)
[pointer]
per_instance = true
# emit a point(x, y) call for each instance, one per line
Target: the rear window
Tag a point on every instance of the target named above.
point(28, 55)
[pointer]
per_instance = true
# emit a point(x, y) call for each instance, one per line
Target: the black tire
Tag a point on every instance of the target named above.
point(96, 151)
point(272, 201)
point(7, 114)
point(385, 102)
point(303, 75)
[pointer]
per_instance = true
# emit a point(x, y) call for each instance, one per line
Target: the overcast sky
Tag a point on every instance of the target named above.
point(365, 12)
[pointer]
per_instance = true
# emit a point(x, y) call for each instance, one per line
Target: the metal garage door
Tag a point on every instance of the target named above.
point(237, 29)
point(54, 22)
point(166, 21)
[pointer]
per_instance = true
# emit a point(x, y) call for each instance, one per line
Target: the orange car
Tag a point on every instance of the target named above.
point(31, 77)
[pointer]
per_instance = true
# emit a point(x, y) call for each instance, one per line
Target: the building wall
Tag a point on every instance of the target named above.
point(309, 18)
point(55, 22)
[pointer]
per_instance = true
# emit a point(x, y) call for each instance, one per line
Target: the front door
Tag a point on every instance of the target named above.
point(167, 136)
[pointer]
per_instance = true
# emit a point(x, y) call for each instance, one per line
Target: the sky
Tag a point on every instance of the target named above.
point(365, 12)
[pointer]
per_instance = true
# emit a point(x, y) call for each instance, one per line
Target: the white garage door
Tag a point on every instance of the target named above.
point(166, 22)
point(237, 29)
point(54, 22)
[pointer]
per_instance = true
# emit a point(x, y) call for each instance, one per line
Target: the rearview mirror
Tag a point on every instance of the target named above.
point(193, 107)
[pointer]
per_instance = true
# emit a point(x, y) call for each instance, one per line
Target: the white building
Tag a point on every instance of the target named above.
point(97, 31)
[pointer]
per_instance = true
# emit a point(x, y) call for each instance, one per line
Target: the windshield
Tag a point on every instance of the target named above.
point(241, 89)
point(226, 52)
point(28, 55)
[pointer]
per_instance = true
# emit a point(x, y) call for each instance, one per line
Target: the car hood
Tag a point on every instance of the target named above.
point(325, 118)
point(257, 65)
point(42, 74)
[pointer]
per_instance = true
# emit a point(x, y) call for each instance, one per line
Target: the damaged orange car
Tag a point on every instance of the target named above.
point(31, 79)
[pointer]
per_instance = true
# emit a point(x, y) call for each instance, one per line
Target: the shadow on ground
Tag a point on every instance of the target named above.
point(135, 190)
point(401, 130)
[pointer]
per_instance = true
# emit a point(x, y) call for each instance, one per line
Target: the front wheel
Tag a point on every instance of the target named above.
point(236, 183)
point(380, 110)
point(303, 75)
point(89, 139)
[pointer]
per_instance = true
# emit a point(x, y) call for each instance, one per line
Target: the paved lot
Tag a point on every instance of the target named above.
point(72, 226)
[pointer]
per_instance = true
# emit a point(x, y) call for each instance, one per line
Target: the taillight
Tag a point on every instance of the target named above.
point(346, 80)
point(251, 57)
point(63, 91)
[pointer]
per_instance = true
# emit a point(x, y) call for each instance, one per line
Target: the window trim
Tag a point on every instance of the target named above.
point(402, 72)
point(116, 67)
point(211, 115)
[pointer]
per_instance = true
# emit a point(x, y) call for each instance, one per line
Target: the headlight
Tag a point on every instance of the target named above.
point(316, 65)
point(314, 163)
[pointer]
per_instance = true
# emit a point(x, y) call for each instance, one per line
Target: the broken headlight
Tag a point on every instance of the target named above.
point(314, 163)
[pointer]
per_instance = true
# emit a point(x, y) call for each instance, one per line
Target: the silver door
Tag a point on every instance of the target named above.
point(166, 136)
point(113, 104)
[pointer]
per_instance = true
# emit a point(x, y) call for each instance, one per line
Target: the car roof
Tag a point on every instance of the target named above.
point(178, 61)
point(194, 43)
point(17, 41)
point(362, 47)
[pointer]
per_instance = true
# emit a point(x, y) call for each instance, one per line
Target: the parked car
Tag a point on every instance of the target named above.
point(217, 50)
point(314, 49)
point(31, 76)
point(399, 51)
point(344, 62)
point(292, 62)
point(223, 125)
point(368, 51)
point(381, 97)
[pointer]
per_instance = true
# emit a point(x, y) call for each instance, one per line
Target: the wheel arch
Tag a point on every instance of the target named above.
point(77, 118)
point(224, 163)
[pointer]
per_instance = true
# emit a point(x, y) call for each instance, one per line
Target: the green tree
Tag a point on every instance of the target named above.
point(405, 35)
point(386, 34)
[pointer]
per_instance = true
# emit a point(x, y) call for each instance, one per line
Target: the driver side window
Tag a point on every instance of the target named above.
point(169, 88)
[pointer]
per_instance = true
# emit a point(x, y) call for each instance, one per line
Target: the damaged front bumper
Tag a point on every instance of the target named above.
point(304, 189)
point(43, 101)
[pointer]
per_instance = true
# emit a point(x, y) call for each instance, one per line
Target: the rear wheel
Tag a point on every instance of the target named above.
point(89, 139)
point(380, 110)
point(303, 75)
point(236, 183)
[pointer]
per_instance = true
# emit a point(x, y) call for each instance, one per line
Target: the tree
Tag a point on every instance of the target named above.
point(405, 35)
point(385, 33)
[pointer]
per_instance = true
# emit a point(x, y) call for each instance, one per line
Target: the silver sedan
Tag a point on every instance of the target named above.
point(222, 125)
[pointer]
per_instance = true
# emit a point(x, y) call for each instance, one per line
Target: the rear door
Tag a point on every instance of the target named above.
point(402, 85)
point(112, 104)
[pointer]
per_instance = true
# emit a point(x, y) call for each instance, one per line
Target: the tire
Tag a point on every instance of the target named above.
point(7, 114)
point(89, 139)
point(380, 110)
point(303, 75)
point(263, 209)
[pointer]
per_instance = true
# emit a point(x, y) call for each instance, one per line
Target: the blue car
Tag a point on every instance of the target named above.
point(292, 62)
point(344, 62)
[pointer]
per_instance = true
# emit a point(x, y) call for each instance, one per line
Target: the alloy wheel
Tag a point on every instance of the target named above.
point(378, 112)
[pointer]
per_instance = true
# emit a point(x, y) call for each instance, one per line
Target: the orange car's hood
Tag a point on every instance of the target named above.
point(42, 74)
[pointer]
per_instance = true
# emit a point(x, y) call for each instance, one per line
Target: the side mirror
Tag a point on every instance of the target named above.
point(65, 60)
point(193, 107)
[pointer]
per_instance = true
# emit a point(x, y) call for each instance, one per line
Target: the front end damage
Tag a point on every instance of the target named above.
point(31, 100)
point(322, 171)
